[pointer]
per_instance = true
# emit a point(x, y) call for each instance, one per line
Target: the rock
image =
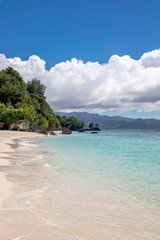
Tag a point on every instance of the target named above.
point(52, 133)
point(55, 132)
point(87, 129)
point(44, 131)
point(1, 125)
point(11, 126)
point(66, 131)
point(96, 129)
point(39, 129)
point(24, 126)
point(92, 129)
point(20, 126)
point(81, 130)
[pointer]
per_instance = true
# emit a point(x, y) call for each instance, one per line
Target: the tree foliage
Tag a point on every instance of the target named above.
point(71, 123)
point(91, 125)
point(21, 101)
point(35, 87)
point(12, 89)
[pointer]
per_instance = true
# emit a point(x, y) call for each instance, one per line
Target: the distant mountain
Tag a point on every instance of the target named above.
point(115, 122)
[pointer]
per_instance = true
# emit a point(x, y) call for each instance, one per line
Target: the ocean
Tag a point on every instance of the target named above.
point(123, 161)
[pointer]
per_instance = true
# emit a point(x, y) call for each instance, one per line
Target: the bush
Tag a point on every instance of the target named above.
point(12, 115)
point(43, 122)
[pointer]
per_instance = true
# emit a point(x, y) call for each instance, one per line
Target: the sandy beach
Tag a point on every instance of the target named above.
point(36, 204)
point(25, 189)
point(6, 138)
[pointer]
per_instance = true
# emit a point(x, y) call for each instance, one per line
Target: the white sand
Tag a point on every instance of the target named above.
point(59, 214)
point(6, 138)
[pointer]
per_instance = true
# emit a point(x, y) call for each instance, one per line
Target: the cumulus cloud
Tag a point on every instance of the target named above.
point(120, 84)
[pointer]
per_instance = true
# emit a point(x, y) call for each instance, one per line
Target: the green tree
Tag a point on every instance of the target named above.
point(91, 125)
point(12, 89)
point(21, 101)
point(36, 88)
point(71, 123)
point(3, 111)
point(80, 124)
point(45, 115)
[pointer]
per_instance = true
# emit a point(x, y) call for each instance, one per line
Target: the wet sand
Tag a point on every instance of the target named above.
point(38, 204)
point(6, 138)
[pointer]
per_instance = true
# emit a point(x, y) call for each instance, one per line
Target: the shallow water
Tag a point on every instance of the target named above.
point(127, 161)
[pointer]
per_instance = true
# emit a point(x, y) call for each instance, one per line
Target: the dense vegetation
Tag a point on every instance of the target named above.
point(70, 122)
point(22, 101)
point(93, 125)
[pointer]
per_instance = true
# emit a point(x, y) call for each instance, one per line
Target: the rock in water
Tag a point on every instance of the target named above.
point(66, 131)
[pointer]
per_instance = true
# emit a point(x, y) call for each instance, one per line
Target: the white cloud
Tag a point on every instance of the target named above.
point(121, 84)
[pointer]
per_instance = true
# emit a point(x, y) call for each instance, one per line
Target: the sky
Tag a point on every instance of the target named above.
point(97, 56)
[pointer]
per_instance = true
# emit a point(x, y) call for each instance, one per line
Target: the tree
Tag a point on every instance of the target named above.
point(12, 89)
point(80, 124)
point(71, 123)
point(21, 101)
point(2, 112)
point(91, 125)
point(96, 124)
point(36, 88)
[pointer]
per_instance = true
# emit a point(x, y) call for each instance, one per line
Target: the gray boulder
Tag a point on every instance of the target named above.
point(19, 126)
point(66, 131)
point(1, 125)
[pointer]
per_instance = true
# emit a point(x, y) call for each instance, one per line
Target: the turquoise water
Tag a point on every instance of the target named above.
point(124, 161)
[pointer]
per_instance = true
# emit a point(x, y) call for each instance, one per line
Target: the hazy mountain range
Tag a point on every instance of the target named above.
point(115, 122)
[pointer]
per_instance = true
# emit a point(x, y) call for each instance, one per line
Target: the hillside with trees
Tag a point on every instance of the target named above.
point(20, 101)
point(114, 122)
point(26, 103)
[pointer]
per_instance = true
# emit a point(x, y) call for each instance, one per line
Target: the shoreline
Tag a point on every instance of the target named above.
point(40, 204)
point(6, 139)
point(27, 204)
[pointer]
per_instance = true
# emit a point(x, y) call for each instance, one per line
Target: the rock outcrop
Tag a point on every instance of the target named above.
point(1, 125)
point(66, 131)
point(20, 126)
point(24, 126)
point(81, 130)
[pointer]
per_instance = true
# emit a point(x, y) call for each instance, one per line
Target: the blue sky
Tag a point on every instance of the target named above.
point(91, 31)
